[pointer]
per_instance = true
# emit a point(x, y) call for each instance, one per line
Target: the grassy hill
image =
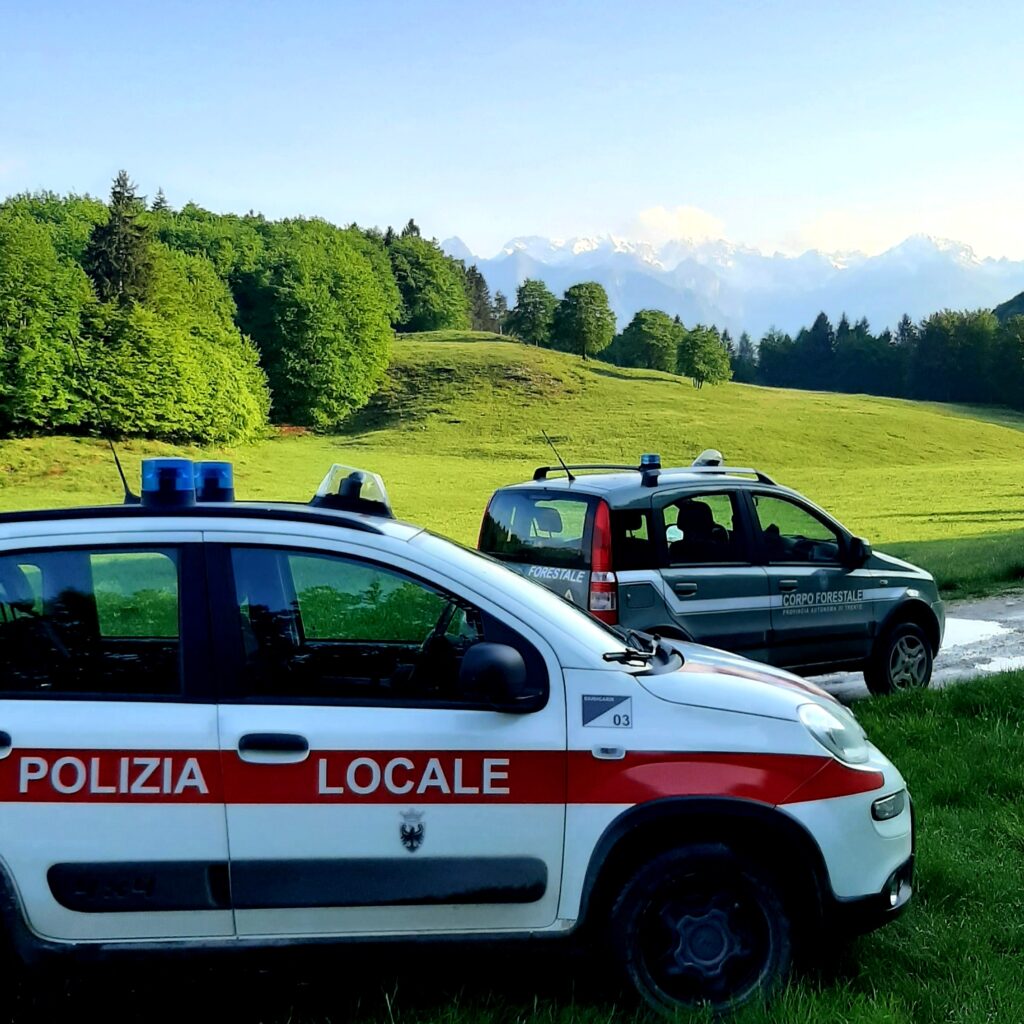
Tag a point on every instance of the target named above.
point(461, 415)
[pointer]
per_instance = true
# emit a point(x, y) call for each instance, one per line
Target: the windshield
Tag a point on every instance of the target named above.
point(582, 626)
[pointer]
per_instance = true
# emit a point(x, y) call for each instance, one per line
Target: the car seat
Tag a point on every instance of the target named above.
point(703, 539)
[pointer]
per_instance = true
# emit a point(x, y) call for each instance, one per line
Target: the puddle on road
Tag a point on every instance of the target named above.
point(1001, 664)
point(962, 632)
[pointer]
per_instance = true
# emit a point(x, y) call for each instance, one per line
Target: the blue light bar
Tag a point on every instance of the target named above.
point(214, 481)
point(650, 461)
point(168, 482)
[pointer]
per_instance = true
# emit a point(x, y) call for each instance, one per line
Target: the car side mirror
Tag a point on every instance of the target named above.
point(495, 674)
point(858, 551)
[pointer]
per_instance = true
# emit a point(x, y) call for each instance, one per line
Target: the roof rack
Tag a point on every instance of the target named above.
point(541, 472)
point(762, 478)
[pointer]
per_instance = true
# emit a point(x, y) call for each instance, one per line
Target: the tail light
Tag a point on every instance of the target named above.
point(604, 587)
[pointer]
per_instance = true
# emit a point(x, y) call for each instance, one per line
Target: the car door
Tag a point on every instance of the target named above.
point(819, 612)
point(712, 586)
point(111, 817)
point(365, 792)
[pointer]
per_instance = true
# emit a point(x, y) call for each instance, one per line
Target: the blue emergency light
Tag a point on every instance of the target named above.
point(650, 469)
point(214, 481)
point(169, 483)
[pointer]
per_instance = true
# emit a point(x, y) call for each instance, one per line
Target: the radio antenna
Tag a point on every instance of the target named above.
point(129, 497)
point(561, 461)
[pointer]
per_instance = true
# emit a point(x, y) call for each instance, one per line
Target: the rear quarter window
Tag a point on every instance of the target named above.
point(537, 529)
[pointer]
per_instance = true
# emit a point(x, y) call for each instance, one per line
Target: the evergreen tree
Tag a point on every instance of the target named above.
point(411, 229)
point(481, 312)
point(744, 365)
point(730, 348)
point(533, 315)
point(906, 332)
point(842, 330)
point(160, 204)
point(584, 322)
point(500, 312)
point(117, 257)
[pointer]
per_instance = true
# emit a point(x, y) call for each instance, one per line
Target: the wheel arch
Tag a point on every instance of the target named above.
point(917, 612)
point(779, 842)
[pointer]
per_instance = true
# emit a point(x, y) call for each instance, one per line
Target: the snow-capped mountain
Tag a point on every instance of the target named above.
point(742, 288)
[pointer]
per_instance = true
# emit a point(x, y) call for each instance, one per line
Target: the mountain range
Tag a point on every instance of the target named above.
point(744, 289)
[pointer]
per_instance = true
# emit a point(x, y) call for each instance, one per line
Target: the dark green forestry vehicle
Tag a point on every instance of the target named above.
point(724, 557)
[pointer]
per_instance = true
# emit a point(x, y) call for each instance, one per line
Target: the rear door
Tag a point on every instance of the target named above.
point(111, 815)
point(819, 612)
point(712, 586)
point(366, 792)
point(545, 535)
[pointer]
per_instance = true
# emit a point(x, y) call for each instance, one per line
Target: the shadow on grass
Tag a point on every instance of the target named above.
point(610, 371)
point(968, 566)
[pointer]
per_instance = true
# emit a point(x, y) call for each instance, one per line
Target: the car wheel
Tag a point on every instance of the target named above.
point(698, 926)
point(901, 660)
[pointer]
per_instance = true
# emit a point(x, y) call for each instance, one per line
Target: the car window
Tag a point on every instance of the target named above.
point(520, 526)
point(791, 533)
point(702, 529)
point(319, 626)
point(632, 544)
point(81, 621)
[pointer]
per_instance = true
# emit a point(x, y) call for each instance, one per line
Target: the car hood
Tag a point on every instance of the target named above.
point(716, 679)
point(880, 560)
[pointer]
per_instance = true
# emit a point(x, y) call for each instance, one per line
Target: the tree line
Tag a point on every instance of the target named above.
point(131, 319)
point(950, 356)
point(582, 322)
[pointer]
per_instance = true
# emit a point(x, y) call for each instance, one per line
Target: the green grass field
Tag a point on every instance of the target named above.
point(462, 414)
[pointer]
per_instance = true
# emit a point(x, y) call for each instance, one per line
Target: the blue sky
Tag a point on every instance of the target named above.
point(781, 125)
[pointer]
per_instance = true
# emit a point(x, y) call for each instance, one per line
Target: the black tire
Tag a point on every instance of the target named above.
point(700, 926)
point(900, 660)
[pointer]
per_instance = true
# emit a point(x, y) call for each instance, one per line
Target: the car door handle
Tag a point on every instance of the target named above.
point(273, 744)
point(685, 589)
point(787, 585)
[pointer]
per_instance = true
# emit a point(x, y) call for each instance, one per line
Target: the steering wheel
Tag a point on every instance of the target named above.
point(432, 641)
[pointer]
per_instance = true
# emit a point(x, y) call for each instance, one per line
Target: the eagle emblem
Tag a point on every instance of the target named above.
point(411, 830)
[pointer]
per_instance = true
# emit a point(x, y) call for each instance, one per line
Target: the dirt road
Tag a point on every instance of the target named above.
point(983, 635)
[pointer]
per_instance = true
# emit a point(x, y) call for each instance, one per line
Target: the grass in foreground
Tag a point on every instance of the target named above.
point(956, 957)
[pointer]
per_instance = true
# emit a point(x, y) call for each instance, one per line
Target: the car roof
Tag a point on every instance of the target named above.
point(624, 488)
point(268, 512)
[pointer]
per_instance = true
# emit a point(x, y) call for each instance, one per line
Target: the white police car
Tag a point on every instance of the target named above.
point(230, 723)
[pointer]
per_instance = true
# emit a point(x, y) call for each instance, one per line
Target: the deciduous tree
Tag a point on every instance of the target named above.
point(584, 323)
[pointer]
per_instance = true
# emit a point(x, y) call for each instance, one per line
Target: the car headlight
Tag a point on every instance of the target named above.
point(837, 731)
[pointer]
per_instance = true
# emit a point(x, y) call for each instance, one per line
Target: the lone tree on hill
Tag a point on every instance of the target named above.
point(533, 315)
point(584, 322)
point(117, 257)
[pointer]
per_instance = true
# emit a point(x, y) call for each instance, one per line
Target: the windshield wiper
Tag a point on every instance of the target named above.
point(629, 655)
